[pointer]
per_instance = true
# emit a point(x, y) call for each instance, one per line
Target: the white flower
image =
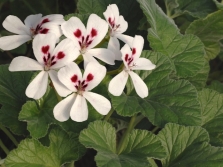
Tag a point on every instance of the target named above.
point(132, 62)
point(34, 24)
point(87, 38)
point(75, 105)
point(49, 59)
point(117, 26)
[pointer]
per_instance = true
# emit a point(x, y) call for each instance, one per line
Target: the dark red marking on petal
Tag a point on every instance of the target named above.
point(45, 49)
point(84, 86)
point(87, 38)
point(89, 42)
point(76, 86)
point(48, 56)
point(53, 63)
point(83, 82)
point(74, 78)
point(82, 39)
point(52, 58)
point(60, 55)
point(44, 31)
point(126, 57)
point(44, 59)
point(89, 77)
point(45, 21)
point(77, 33)
point(133, 51)
point(79, 43)
point(93, 32)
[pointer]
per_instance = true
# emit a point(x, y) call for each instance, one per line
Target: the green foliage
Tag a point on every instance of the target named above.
point(188, 146)
point(63, 148)
point(139, 146)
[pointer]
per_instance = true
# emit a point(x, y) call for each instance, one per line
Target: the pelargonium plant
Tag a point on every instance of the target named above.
point(116, 84)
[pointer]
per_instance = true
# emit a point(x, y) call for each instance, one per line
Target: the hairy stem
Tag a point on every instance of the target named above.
point(10, 136)
point(116, 71)
point(124, 137)
point(109, 114)
point(155, 129)
point(4, 148)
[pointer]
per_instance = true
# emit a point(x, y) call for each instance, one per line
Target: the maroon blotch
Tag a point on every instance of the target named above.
point(126, 57)
point(45, 49)
point(44, 31)
point(45, 21)
point(74, 78)
point(60, 55)
point(89, 77)
point(93, 32)
point(133, 51)
point(78, 33)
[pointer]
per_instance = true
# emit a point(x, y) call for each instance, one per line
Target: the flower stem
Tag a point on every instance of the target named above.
point(10, 136)
point(155, 129)
point(115, 71)
point(124, 137)
point(4, 148)
point(109, 114)
point(138, 119)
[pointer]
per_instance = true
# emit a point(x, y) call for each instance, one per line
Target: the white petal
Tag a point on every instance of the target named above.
point(15, 25)
point(31, 21)
point(125, 38)
point(99, 102)
point(103, 54)
point(52, 28)
point(138, 44)
point(140, 86)
point(71, 26)
point(65, 52)
point(114, 46)
point(66, 73)
point(23, 63)
point(54, 18)
point(41, 41)
point(88, 58)
point(117, 84)
point(101, 27)
point(62, 110)
point(125, 50)
point(123, 25)
point(13, 41)
point(143, 64)
point(79, 111)
point(37, 88)
point(112, 12)
point(97, 71)
point(60, 88)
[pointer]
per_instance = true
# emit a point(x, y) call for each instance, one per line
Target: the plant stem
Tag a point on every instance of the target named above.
point(109, 114)
point(138, 119)
point(115, 71)
point(155, 129)
point(29, 7)
point(4, 148)
point(152, 162)
point(10, 136)
point(124, 137)
point(10, 55)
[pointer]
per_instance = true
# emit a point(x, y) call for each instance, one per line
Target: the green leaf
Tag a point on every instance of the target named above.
point(216, 85)
point(185, 52)
point(212, 114)
point(198, 8)
point(82, 17)
point(39, 114)
point(63, 148)
point(210, 31)
point(12, 97)
point(126, 7)
point(188, 146)
point(200, 79)
point(168, 100)
point(140, 144)
point(218, 4)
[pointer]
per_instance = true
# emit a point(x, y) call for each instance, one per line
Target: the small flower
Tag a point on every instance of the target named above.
point(87, 38)
point(49, 59)
point(117, 26)
point(34, 24)
point(75, 105)
point(132, 62)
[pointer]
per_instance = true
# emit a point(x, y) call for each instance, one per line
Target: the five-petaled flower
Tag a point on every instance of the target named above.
point(87, 38)
point(117, 25)
point(132, 62)
point(34, 24)
point(75, 105)
point(49, 59)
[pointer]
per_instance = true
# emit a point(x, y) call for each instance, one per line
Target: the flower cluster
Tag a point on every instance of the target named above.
point(55, 59)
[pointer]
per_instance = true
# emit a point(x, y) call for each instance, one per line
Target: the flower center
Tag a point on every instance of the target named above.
point(39, 29)
point(81, 85)
point(129, 59)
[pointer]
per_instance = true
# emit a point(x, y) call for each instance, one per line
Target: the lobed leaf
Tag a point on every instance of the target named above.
point(140, 144)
